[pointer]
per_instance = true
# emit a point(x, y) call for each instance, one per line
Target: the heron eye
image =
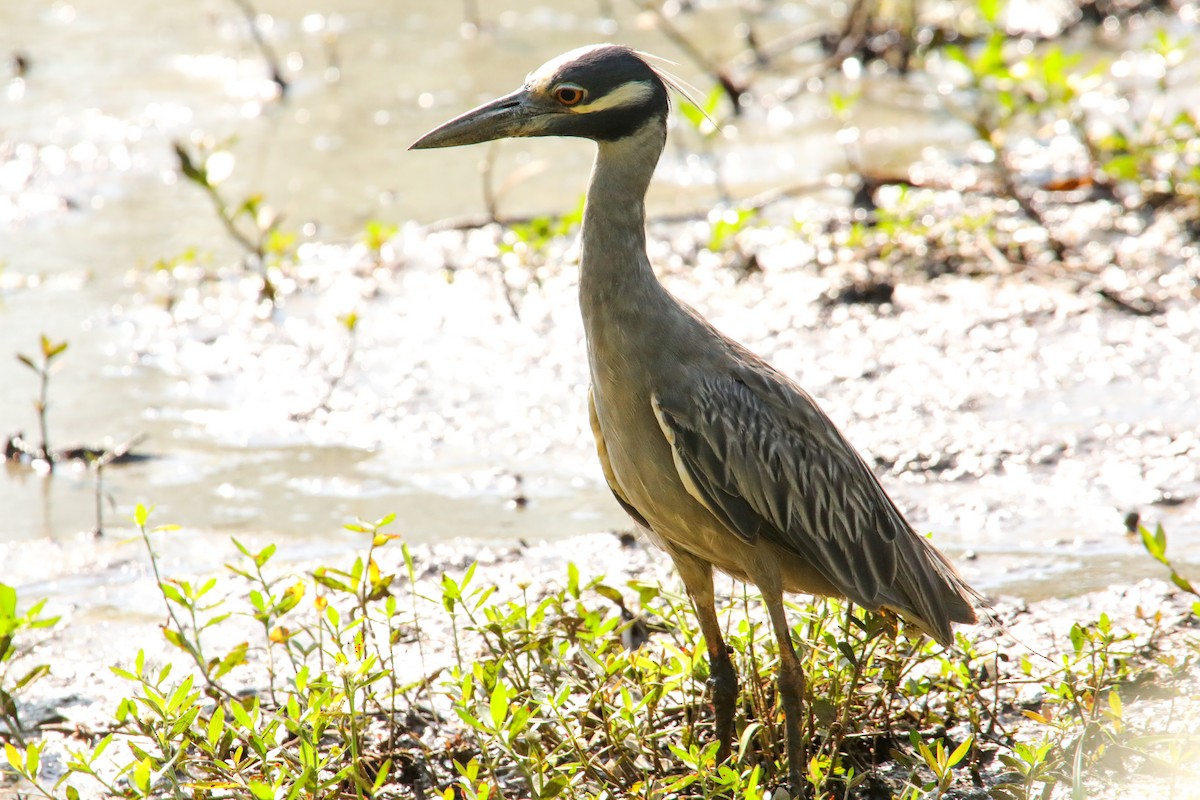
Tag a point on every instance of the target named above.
point(568, 95)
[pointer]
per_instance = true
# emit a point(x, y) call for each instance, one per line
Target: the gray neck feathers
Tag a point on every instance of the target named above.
point(614, 268)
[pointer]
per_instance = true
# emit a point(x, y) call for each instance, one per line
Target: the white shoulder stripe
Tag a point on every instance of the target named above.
point(685, 476)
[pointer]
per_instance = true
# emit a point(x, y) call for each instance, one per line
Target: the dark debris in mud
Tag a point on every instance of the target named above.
point(19, 450)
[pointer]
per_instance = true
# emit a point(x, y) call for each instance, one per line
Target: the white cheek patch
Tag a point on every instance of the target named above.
point(628, 94)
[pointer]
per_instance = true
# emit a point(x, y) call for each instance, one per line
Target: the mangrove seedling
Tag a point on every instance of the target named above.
point(50, 351)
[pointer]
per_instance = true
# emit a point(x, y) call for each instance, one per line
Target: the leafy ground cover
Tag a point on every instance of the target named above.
point(423, 673)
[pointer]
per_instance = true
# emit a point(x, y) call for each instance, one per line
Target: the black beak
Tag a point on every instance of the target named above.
point(504, 117)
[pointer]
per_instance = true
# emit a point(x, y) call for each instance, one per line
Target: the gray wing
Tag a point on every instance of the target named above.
point(759, 453)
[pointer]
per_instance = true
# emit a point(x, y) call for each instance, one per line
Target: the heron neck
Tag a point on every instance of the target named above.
point(613, 261)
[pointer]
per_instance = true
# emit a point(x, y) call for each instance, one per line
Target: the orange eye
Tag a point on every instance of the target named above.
point(568, 95)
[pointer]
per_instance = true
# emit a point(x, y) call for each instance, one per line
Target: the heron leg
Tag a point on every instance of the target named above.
point(792, 691)
point(723, 679)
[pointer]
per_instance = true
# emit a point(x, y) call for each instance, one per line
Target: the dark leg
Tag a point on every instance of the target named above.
point(697, 578)
point(792, 692)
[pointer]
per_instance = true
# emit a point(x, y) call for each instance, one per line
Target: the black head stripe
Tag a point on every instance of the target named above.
point(603, 70)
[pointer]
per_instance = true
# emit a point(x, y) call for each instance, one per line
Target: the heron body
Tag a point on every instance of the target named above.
point(723, 461)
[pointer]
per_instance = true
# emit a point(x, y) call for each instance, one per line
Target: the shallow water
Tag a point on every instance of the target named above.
point(461, 419)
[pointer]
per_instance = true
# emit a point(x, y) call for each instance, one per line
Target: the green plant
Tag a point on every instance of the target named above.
point(539, 695)
point(14, 629)
point(1154, 151)
point(1155, 543)
point(169, 270)
point(375, 236)
point(727, 226)
point(524, 246)
point(1010, 94)
point(941, 762)
point(191, 610)
point(701, 118)
point(250, 222)
point(50, 351)
point(527, 241)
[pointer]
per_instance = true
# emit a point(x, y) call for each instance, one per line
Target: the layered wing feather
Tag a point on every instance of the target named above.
point(759, 453)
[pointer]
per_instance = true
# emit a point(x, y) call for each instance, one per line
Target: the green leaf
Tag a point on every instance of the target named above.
point(241, 715)
point(100, 747)
point(180, 695)
point(498, 706)
point(123, 673)
point(990, 62)
point(51, 349)
point(14, 757)
point(746, 740)
point(323, 578)
point(960, 751)
point(176, 638)
point(39, 671)
point(842, 103)
point(609, 593)
point(928, 755)
point(1078, 638)
point(1122, 167)
point(382, 776)
point(291, 598)
point(468, 718)
point(691, 113)
point(1155, 543)
point(172, 593)
point(141, 775)
point(233, 658)
point(1182, 583)
point(187, 166)
point(216, 726)
point(573, 580)
point(990, 9)
point(8, 606)
point(264, 555)
point(956, 54)
point(553, 787)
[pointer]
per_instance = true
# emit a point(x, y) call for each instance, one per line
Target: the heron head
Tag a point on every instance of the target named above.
point(601, 92)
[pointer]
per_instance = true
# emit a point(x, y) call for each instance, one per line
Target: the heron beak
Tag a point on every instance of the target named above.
point(498, 119)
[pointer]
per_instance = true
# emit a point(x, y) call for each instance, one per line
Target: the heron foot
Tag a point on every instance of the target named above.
point(791, 691)
point(723, 681)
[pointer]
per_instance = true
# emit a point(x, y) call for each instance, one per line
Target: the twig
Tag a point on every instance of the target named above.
point(268, 52)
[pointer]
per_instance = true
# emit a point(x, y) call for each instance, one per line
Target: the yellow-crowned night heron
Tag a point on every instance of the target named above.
point(725, 462)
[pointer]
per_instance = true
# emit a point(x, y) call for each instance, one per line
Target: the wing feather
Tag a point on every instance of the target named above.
point(766, 461)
